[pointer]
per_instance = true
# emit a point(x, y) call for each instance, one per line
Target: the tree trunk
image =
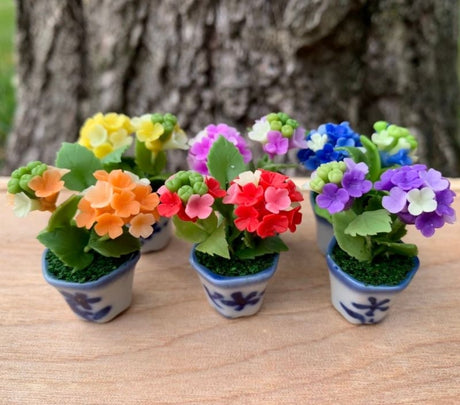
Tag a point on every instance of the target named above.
point(232, 61)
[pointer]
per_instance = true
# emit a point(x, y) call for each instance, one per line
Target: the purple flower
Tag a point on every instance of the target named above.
point(355, 183)
point(434, 180)
point(297, 139)
point(396, 201)
point(332, 198)
point(385, 182)
point(407, 178)
point(428, 222)
point(276, 145)
point(361, 166)
point(202, 143)
point(445, 198)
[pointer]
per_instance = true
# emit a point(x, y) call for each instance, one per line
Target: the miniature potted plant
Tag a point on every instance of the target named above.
point(92, 238)
point(330, 143)
point(234, 218)
point(370, 209)
point(109, 137)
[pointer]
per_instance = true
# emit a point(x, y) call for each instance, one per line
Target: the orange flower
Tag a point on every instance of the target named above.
point(124, 204)
point(48, 203)
point(101, 175)
point(87, 215)
point(141, 225)
point(100, 195)
point(48, 183)
point(148, 200)
point(109, 224)
point(121, 180)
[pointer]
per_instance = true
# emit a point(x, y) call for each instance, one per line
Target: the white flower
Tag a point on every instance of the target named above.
point(382, 139)
point(23, 204)
point(259, 131)
point(97, 135)
point(248, 177)
point(120, 138)
point(317, 141)
point(421, 201)
point(178, 140)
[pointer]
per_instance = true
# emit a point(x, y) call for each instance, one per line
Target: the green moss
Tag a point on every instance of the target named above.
point(382, 271)
point(234, 267)
point(99, 267)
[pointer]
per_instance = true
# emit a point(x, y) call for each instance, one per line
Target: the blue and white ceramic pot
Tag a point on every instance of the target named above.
point(324, 230)
point(159, 239)
point(100, 300)
point(360, 303)
point(234, 297)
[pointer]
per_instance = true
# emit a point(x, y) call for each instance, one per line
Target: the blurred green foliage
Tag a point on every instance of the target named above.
point(7, 65)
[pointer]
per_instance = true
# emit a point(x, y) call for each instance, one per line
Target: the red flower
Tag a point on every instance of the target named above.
point(246, 218)
point(294, 217)
point(249, 194)
point(272, 225)
point(274, 179)
point(214, 187)
point(170, 204)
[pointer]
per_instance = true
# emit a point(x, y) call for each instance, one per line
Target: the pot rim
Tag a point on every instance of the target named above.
point(232, 281)
point(360, 286)
point(125, 267)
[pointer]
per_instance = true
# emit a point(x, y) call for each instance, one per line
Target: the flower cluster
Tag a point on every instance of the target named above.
point(323, 143)
point(189, 195)
point(203, 141)
point(118, 199)
point(265, 203)
point(278, 133)
point(396, 144)
point(104, 133)
point(339, 183)
point(159, 132)
point(418, 196)
point(35, 187)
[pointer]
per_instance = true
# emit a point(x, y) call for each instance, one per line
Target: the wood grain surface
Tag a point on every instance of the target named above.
point(171, 347)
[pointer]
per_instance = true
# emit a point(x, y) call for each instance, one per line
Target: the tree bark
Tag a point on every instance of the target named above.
point(232, 61)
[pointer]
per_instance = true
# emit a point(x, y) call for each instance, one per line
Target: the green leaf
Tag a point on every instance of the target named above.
point(209, 224)
point(143, 158)
point(124, 244)
point(159, 162)
point(189, 231)
point(265, 246)
point(405, 249)
point(68, 243)
point(355, 246)
point(225, 161)
point(216, 243)
point(115, 156)
point(355, 153)
point(370, 223)
point(82, 164)
point(372, 158)
point(64, 213)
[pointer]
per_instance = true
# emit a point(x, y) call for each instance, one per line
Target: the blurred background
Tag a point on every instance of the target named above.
point(208, 61)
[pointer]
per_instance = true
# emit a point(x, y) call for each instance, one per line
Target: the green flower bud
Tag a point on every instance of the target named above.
point(170, 118)
point(200, 188)
point(287, 131)
point(293, 123)
point(335, 176)
point(342, 166)
point(317, 184)
point(272, 117)
point(195, 177)
point(323, 171)
point(276, 125)
point(13, 186)
point(39, 169)
point(380, 125)
point(168, 127)
point(24, 182)
point(184, 177)
point(173, 184)
point(283, 117)
point(157, 117)
point(185, 192)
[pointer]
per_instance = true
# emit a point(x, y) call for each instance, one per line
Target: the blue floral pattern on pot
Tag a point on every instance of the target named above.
point(237, 300)
point(100, 300)
point(369, 309)
point(360, 303)
point(162, 233)
point(234, 297)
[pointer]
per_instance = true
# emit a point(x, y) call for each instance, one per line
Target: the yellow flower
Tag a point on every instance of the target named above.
point(103, 150)
point(146, 130)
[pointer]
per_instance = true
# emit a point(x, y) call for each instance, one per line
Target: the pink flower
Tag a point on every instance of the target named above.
point(199, 206)
point(276, 145)
point(277, 199)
